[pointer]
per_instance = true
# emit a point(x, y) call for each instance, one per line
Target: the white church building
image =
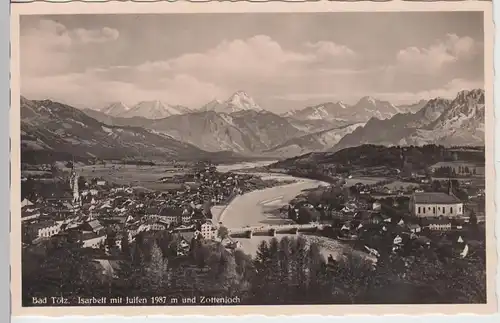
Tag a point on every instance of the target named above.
point(436, 204)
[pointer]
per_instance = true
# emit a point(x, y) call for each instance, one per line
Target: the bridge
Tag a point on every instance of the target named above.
point(272, 230)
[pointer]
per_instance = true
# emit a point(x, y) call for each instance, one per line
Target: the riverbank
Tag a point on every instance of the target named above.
point(250, 209)
point(262, 207)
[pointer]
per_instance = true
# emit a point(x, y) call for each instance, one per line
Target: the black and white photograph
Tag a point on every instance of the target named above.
point(254, 158)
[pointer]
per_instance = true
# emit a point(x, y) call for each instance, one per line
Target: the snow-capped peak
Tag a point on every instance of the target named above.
point(154, 109)
point(368, 99)
point(115, 109)
point(240, 100)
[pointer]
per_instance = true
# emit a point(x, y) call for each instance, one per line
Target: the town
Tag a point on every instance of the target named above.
point(396, 211)
point(105, 216)
point(387, 214)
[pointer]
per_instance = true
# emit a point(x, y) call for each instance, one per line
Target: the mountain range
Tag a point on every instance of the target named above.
point(155, 109)
point(240, 126)
point(50, 129)
point(362, 111)
point(446, 122)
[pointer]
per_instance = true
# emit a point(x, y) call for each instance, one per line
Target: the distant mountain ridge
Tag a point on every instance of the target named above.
point(247, 129)
point(115, 109)
point(462, 123)
point(317, 141)
point(440, 121)
point(155, 109)
point(366, 108)
point(50, 128)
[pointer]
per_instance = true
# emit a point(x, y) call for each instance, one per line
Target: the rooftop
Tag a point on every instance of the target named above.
point(91, 235)
point(457, 163)
point(437, 221)
point(42, 224)
point(435, 198)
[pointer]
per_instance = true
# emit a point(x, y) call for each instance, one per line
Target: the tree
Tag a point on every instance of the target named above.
point(222, 232)
point(473, 218)
point(353, 277)
point(125, 245)
point(157, 271)
point(54, 170)
point(201, 253)
point(110, 241)
point(65, 271)
point(315, 266)
point(81, 182)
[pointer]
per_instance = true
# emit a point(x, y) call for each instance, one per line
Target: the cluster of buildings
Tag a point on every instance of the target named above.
point(94, 209)
point(406, 220)
point(458, 168)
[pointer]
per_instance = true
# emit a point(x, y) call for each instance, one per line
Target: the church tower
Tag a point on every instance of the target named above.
point(73, 182)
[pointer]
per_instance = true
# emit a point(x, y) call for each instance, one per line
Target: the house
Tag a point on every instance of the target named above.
point(186, 218)
point(376, 218)
point(28, 215)
point(438, 224)
point(151, 212)
point(206, 231)
point(414, 228)
point(101, 183)
point(462, 168)
point(92, 226)
point(170, 215)
point(118, 240)
point(26, 203)
point(376, 206)
point(43, 229)
point(423, 241)
point(436, 204)
point(386, 190)
point(108, 267)
point(56, 195)
point(93, 240)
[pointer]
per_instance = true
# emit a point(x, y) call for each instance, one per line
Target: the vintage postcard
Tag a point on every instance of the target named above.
point(239, 158)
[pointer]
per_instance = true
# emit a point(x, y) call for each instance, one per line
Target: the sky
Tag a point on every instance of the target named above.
point(284, 61)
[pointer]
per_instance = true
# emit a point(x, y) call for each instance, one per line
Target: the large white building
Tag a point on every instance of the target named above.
point(44, 229)
point(207, 231)
point(436, 205)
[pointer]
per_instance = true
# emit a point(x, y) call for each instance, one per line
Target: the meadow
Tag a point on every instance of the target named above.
point(135, 175)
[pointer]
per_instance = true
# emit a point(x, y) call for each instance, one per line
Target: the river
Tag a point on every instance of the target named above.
point(260, 208)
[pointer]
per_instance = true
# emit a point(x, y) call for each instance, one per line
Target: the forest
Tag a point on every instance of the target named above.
point(284, 271)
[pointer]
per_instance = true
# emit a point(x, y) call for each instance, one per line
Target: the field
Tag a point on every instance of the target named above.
point(143, 176)
point(397, 184)
point(364, 180)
